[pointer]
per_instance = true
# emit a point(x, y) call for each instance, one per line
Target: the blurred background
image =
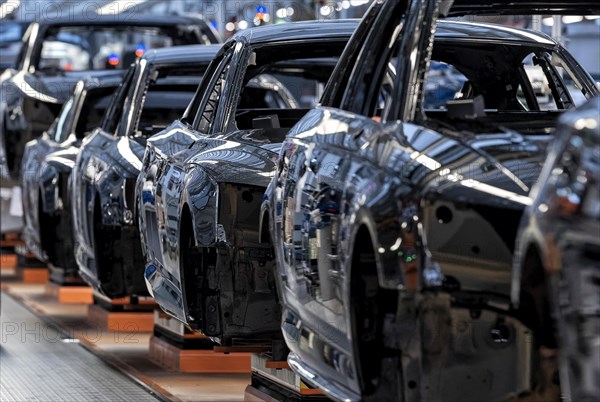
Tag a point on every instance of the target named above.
point(580, 34)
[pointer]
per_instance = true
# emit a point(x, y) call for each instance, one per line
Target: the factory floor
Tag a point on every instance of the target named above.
point(48, 352)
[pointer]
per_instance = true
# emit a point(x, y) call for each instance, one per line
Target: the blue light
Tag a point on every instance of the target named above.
point(113, 59)
point(140, 50)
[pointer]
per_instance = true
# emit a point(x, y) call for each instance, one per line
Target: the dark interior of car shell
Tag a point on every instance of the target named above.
point(303, 71)
point(505, 77)
point(92, 111)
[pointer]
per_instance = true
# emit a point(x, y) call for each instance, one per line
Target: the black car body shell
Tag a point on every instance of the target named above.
point(47, 164)
point(389, 235)
point(105, 172)
point(211, 192)
point(31, 99)
point(558, 249)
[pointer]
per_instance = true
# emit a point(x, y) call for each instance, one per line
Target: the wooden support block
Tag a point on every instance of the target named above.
point(129, 321)
point(122, 300)
point(272, 364)
point(308, 391)
point(34, 275)
point(70, 294)
point(8, 261)
point(197, 360)
point(127, 303)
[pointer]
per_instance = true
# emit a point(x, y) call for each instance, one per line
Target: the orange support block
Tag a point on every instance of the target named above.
point(197, 360)
point(70, 294)
point(8, 261)
point(35, 275)
point(130, 321)
point(274, 364)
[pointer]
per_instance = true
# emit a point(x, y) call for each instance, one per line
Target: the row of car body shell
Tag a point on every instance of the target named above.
point(47, 165)
point(33, 90)
point(394, 240)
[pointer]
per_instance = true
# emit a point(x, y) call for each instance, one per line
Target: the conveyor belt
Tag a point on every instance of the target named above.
point(37, 365)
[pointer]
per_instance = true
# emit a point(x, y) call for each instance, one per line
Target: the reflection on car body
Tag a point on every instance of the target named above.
point(394, 239)
point(47, 164)
point(203, 179)
point(107, 243)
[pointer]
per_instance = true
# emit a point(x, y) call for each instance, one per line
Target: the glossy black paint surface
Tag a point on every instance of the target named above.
point(107, 243)
point(47, 164)
point(394, 241)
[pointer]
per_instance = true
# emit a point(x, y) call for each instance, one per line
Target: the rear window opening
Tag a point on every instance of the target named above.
point(157, 112)
point(164, 96)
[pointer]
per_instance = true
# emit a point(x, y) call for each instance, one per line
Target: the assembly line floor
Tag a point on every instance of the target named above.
point(38, 362)
point(126, 351)
point(71, 371)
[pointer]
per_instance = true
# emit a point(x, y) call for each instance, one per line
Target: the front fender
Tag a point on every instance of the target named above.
point(530, 235)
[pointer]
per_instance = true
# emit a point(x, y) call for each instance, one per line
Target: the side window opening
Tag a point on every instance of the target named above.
point(93, 109)
point(113, 113)
point(279, 90)
point(155, 114)
point(206, 110)
point(269, 93)
point(573, 86)
point(511, 79)
point(152, 113)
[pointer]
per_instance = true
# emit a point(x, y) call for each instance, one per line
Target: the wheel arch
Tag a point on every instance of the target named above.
point(365, 284)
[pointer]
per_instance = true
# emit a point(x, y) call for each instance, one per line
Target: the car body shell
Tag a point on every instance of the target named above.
point(388, 235)
point(561, 231)
point(104, 176)
point(213, 182)
point(47, 164)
